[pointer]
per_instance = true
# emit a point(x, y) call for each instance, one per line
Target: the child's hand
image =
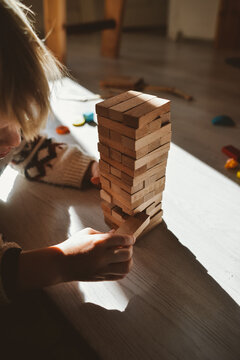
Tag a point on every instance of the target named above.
point(95, 174)
point(92, 256)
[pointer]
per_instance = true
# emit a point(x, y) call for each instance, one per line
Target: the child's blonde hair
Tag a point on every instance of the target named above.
point(26, 66)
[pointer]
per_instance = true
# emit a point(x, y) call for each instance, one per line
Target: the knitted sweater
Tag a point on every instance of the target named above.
point(47, 161)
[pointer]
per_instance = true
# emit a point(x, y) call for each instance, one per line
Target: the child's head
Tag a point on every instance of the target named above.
point(25, 68)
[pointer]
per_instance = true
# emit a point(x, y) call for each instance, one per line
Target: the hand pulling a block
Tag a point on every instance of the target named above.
point(134, 225)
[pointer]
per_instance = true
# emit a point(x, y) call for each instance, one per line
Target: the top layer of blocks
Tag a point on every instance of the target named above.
point(133, 108)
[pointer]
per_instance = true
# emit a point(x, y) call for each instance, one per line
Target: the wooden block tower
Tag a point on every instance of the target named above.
point(134, 139)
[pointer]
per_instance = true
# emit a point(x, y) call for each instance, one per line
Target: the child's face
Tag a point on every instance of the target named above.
point(10, 136)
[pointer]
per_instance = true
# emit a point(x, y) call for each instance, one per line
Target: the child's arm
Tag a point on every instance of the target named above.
point(9, 253)
point(87, 256)
point(56, 163)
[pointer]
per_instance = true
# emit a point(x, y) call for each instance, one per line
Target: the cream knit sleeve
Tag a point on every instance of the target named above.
point(56, 163)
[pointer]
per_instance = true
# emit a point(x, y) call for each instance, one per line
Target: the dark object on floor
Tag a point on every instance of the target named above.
point(233, 62)
point(138, 84)
point(231, 152)
point(34, 328)
point(223, 120)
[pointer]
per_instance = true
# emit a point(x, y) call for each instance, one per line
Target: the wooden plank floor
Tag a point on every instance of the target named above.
point(194, 67)
point(168, 307)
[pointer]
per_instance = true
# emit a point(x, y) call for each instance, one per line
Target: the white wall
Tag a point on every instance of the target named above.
point(192, 18)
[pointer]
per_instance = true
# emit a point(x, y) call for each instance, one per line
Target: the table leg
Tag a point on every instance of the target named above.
point(54, 24)
point(111, 37)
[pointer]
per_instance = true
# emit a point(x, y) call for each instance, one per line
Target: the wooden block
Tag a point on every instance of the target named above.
point(159, 142)
point(146, 112)
point(166, 118)
point(104, 166)
point(157, 186)
point(115, 172)
point(118, 214)
point(122, 185)
point(132, 201)
point(145, 204)
point(117, 191)
point(114, 136)
point(146, 140)
point(149, 196)
point(128, 142)
point(103, 106)
point(122, 199)
point(103, 149)
point(153, 178)
point(157, 160)
point(123, 129)
point(153, 209)
point(134, 225)
point(157, 123)
point(124, 150)
point(116, 126)
point(105, 182)
point(116, 111)
point(149, 158)
point(105, 196)
point(110, 221)
point(115, 155)
point(103, 131)
point(154, 221)
point(150, 208)
point(123, 168)
point(128, 161)
point(140, 207)
point(107, 207)
point(132, 181)
point(154, 188)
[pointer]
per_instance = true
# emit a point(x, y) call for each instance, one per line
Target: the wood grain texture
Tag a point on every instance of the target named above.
point(132, 153)
point(134, 225)
point(117, 112)
point(181, 299)
point(123, 129)
point(144, 113)
point(103, 106)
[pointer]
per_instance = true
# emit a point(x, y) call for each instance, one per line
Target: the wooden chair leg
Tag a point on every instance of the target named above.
point(54, 24)
point(114, 9)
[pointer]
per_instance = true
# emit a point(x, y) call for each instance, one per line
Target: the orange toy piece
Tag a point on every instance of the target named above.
point(62, 130)
point(231, 164)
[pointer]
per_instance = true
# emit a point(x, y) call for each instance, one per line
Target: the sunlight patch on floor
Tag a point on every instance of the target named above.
point(108, 295)
point(7, 180)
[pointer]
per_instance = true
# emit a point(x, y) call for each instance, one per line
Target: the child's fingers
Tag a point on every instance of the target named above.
point(120, 240)
point(90, 231)
point(109, 277)
point(95, 180)
point(118, 268)
point(119, 255)
point(114, 277)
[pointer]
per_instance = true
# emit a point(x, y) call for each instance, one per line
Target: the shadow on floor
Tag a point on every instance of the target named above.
point(33, 328)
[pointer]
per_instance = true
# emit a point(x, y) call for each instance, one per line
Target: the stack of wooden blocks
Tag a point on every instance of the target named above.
point(134, 139)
